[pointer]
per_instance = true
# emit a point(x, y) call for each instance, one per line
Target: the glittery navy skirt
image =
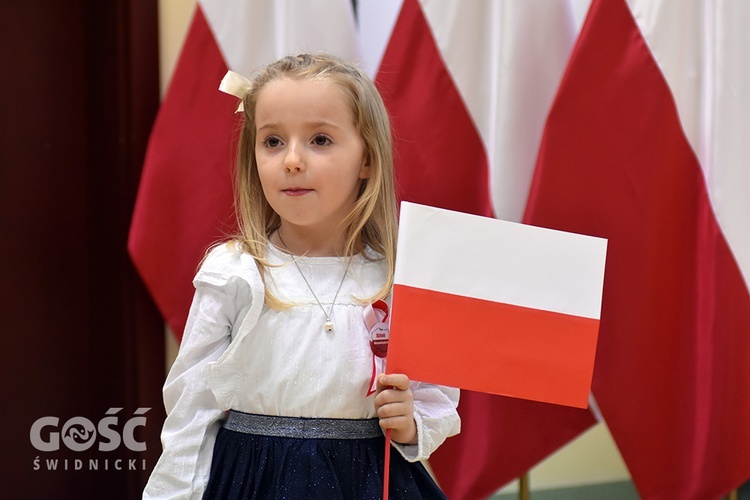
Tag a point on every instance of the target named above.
point(264, 457)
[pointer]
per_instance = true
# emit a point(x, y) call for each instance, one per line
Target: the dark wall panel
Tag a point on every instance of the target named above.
point(79, 335)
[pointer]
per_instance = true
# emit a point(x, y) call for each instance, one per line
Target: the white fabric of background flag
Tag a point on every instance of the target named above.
point(253, 33)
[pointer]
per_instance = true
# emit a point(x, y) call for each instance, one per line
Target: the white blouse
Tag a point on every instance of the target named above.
point(236, 353)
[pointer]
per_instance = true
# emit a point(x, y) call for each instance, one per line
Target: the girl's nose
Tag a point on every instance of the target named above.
point(293, 159)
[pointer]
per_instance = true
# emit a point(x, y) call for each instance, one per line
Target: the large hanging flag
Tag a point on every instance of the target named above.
point(468, 114)
point(185, 200)
point(647, 146)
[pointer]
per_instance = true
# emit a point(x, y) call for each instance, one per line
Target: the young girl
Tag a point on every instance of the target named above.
point(273, 393)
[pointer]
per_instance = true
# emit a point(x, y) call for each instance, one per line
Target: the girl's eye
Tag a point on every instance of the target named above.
point(272, 142)
point(321, 140)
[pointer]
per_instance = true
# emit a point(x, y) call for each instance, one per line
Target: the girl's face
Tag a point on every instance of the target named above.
point(310, 156)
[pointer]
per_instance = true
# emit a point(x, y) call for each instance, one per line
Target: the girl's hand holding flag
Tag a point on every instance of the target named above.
point(394, 404)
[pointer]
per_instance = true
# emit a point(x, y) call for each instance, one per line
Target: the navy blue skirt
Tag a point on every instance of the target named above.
point(265, 464)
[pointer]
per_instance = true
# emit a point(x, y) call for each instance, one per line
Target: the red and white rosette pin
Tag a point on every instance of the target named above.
point(376, 316)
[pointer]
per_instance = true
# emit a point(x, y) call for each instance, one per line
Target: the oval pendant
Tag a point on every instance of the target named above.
point(329, 326)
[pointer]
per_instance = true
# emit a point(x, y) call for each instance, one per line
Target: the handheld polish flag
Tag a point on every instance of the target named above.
point(494, 306)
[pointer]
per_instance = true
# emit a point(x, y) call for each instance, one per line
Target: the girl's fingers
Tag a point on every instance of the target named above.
point(394, 380)
point(394, 410)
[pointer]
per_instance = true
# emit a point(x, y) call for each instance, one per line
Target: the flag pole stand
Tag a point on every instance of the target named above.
point(523, 487)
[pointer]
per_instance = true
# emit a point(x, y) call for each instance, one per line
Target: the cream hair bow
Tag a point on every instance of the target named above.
point(236, 85)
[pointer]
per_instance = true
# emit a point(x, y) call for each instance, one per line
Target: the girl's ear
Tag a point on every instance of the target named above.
point(364, 169)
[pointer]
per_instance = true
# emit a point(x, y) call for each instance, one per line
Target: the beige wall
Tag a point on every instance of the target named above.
point(592, 458)
point(174, 20)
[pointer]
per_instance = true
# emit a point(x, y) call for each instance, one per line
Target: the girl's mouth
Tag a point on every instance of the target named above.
point(296, 191)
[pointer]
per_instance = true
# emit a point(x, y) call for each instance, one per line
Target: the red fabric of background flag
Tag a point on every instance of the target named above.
point(671, 378)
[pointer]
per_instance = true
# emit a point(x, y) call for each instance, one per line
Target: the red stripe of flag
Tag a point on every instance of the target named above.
point(551, 361)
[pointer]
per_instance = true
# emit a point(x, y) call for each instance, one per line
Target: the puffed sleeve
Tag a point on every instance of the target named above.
point(436, 417)
point(193, 414)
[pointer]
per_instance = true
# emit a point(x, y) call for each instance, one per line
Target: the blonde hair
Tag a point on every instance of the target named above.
point(372, 221)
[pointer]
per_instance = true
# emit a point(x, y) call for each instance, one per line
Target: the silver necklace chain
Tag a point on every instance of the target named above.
point(329, 322)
